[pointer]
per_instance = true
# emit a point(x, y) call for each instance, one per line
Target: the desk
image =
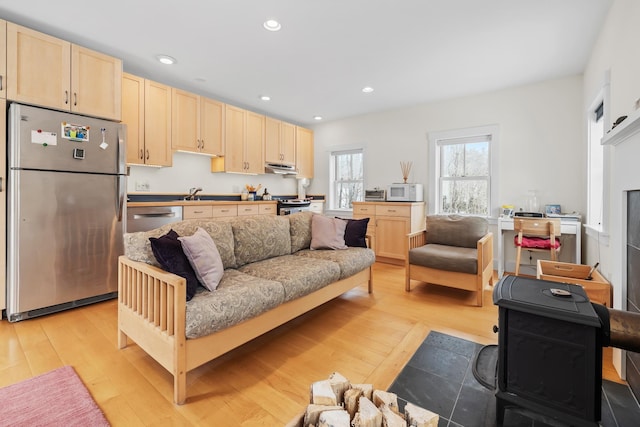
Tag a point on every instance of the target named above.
point(566, 227)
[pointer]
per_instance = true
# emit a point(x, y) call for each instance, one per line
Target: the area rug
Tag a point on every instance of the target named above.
point(440, 377)
point(57, 398)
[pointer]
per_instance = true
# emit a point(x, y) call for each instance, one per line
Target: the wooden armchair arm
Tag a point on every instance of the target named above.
point(485, 251)
point(416, 239)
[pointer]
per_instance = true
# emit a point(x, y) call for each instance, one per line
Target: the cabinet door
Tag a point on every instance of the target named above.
point(288, 143)
point(211, 126)
point(272, 152)
point(157, 124)
point(254, 143)
point(96, 81)
point(234, 139)
point(304, 152)
point(38, 68)
point(3, 58)
point(3, 202)
point(185, 123)
point(133, 117)
point(390, 236)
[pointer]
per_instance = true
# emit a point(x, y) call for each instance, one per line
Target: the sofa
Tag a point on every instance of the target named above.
point(454, 251)
point(252, 274)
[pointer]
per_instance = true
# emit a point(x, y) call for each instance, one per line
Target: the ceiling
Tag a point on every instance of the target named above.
point(409, 51)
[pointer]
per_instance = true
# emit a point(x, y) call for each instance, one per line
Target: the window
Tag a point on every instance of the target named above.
point(596, 167)
point(347, 178)
point(464, 173)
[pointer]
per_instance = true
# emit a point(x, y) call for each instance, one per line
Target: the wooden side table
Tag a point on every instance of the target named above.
point(598, 288)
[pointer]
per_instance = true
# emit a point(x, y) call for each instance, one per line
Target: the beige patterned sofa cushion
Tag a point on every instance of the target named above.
point(138, 248)
point(350, 260)
point(300, 230)
point(299, 275)
point(238, 297)
point(260, 237)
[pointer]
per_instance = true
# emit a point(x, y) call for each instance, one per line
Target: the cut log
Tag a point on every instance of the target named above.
point(420, 417)
point(381, 397)
point(339, 384)
point(322, 393)
point(368, 415)
point(391, 418)
point(312, 413)
point(367, 390)
point(351, 397)
point(334, 419)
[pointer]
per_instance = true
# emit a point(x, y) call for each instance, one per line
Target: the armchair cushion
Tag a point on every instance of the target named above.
point(456, 230)
point(444, 257)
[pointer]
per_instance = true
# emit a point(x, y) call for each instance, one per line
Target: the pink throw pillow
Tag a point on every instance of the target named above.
point(327, 233)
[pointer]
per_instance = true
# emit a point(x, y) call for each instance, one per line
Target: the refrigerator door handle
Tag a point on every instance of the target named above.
point(122, 185)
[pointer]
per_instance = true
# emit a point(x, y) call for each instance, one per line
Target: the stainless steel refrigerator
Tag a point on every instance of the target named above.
point(65, 212)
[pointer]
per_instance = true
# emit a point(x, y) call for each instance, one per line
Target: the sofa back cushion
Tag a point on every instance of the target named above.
point(456, 230)
point(260, 237)
point(300, 230)
point(138, 248)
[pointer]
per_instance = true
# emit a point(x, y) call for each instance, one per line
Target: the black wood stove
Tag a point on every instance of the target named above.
point(549, 351)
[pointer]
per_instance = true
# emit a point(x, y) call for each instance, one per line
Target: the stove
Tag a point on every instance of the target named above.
point(289, 206)
point(550, 350)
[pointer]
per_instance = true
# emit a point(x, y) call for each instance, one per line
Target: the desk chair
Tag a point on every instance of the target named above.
point(536, 235)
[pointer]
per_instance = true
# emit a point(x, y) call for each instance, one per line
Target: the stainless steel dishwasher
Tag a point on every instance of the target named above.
point(144, 218)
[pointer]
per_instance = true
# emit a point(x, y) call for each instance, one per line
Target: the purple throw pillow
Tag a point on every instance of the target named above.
point(168, 251)
point(354, 234)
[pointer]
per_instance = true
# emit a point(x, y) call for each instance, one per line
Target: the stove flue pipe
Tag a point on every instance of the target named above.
point(625, 330)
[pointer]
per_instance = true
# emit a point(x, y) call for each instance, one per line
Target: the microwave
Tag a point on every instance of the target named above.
point(405, 193)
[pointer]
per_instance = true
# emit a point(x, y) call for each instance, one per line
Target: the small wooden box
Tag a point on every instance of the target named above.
point(598, 288)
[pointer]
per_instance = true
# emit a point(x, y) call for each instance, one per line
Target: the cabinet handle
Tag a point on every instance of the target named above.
point(1, 82)
point(224, 210)
point(141, 154)
point(66, 97)
point(391, 210)
point(202, 142)
point(247, 209)
point(147, 154)
point(75, 99)
point(198, 212)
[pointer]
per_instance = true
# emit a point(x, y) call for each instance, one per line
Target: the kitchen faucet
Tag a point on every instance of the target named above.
point(192, 193)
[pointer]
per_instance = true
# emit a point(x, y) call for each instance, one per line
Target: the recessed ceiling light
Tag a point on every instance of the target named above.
point(317, 117)
point(367, 89)
point(265, 97)
point(166, 59)
point(272, 25)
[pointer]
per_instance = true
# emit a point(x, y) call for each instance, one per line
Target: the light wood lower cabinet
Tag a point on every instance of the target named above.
point(204, 210)
point(389, 224)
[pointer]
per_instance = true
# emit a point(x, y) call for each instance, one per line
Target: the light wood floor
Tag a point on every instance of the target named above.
point(367, 338)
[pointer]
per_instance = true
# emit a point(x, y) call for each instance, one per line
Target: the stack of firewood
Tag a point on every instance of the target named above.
point(335, 402)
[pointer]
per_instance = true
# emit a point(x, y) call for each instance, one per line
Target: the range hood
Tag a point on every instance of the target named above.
point(280, 169)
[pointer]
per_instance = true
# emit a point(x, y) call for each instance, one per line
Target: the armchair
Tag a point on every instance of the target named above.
point(454, 251)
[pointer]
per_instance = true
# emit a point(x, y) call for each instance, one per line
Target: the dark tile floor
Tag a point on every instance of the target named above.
point(439, 377)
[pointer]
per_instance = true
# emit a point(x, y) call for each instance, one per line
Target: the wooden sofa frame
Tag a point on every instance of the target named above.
point(152, 313)
point(452, 279)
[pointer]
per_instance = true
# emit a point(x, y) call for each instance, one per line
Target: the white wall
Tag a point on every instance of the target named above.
point(540, 140)
point(193, 170)
point(616, 50)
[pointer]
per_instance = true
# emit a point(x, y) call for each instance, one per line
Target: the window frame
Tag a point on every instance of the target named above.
point(437, 139)
point(333, 182)
point(601, 230)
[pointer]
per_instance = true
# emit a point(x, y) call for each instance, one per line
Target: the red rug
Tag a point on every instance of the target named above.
point(57, 398)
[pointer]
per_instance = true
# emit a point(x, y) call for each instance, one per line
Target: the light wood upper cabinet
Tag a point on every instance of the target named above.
point(244, 140)
point(47, 71)
point(96, 81)
point(304, 152)
point(197, 123)
point(280, 142)
point(3, 58)
point(146, 110)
